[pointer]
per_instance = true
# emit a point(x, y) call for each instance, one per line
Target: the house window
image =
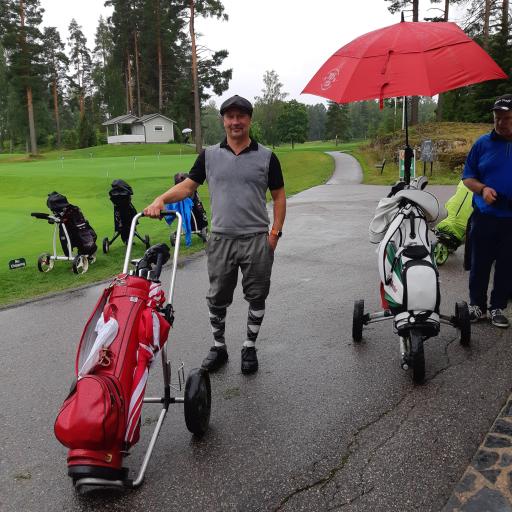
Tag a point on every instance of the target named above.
point(158, 128)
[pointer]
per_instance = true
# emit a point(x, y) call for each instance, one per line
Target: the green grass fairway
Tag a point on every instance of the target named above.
point(24, 186)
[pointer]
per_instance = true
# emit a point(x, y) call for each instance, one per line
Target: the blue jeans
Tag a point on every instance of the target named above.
point(491, 242)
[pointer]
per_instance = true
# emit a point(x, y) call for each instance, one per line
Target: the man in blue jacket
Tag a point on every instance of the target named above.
point(239, 171)
point(488, 173)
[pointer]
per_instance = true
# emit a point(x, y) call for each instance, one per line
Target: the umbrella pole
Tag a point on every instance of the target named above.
point(408, 153)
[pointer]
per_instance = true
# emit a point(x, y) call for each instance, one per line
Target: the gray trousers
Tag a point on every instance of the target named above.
point(253, 255)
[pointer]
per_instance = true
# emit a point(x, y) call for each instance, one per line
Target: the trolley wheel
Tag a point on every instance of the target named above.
point(463, 323)
point(106, 245)
point(357, 321)
point(197, 401)
point(45, 262)
point(80, 264)
point(147, 242)
point(172, 239)
point(417, 357)
point(441, 253)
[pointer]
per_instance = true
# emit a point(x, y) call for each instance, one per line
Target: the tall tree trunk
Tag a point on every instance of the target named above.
point(56, 110)
point(81, 103)
point(129, 93)
point(30, 106)
point(415, 102)
point(31, 124)
point(159, 59)
point(439, 109)
point(487, 15)
point(195, 83)
point(504, 17)
point(137, 74)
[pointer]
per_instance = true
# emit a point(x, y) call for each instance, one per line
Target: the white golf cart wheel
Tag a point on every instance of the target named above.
point(80, 264)
point(45, 262)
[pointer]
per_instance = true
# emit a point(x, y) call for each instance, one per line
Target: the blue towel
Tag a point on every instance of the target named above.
point(184, 207)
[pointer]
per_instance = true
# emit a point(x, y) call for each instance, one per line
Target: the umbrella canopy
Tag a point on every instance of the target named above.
point(404, 59)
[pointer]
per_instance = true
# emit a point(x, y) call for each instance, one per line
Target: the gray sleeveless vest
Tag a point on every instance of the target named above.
point(237, 186)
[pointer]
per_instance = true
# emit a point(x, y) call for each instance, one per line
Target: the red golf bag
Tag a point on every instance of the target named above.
point(100, 419)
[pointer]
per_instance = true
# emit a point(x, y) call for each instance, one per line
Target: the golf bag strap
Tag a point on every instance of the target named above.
point(395, 260)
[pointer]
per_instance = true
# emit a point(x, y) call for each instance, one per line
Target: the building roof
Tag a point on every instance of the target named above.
point(124, 119)
point(131, 119)
point(148, 117)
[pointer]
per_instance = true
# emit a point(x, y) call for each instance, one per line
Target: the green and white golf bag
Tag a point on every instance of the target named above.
point(406, 263)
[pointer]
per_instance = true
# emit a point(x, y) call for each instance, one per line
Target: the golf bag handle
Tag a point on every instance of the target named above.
point(129, 245)
point(40, 215)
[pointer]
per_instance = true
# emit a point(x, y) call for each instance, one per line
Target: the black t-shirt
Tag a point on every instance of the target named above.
point(275, 174)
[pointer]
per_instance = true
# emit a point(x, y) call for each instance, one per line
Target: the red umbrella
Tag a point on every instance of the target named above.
point(404, 59)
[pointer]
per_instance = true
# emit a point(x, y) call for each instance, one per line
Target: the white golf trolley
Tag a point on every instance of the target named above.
point(46, 261)
point(408, 274)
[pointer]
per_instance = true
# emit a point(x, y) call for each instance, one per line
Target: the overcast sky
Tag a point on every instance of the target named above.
point(292, 37)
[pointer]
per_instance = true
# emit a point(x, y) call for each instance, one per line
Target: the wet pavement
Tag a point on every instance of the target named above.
point(325, 424)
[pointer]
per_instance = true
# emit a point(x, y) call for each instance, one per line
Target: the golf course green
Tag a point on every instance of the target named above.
point(84, 177)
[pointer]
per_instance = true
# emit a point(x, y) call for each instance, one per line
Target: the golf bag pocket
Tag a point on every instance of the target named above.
point(421, 288)
point(92, 415)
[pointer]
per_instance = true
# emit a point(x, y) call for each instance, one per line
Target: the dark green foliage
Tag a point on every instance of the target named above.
point(317, 116)
point(292, 122)
point(338, 122)
point(86, 133)
point(211, 121)
point(268, 107)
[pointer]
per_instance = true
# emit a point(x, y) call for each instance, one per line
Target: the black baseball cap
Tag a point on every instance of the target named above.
point(236, 102)
point(503, 103)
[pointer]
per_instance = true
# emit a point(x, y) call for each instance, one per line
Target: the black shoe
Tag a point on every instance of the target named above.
point(475, 313)
point(249, 360)
point(215, 359)
point(498, 318)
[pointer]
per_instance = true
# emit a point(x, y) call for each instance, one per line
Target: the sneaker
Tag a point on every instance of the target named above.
point(215, 359)
point(475, 314)
point(249, 360)
point(498, 318)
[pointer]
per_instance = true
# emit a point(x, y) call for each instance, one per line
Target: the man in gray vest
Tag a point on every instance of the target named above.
point(239, 171)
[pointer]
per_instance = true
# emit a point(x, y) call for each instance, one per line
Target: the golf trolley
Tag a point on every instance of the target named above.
point(120, 194)
point(121, 340)
point(46, 261)
point(409, 276)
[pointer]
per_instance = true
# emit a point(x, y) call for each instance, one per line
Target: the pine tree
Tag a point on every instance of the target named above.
point(21, 37)
point(80, 59)
point(57, 63)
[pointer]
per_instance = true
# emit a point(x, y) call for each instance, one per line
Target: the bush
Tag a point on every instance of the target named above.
point(70, 139)
point(178, 136)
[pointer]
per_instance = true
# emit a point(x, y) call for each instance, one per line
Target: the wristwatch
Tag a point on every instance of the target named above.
point(277, 233)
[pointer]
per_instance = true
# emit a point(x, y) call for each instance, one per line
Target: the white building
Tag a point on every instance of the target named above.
point(151, 128)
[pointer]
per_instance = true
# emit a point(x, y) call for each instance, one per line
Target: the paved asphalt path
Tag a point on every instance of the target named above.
point(324, 425)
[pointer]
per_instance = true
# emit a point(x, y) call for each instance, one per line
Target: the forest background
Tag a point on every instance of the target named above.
point(147, 58)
